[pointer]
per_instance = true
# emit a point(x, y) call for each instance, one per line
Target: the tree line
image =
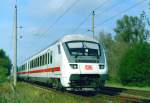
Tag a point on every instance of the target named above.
point(128, 51)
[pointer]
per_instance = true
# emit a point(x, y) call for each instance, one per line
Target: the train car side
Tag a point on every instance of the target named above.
point(72, 62)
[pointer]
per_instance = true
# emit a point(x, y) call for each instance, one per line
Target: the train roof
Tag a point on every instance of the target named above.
point(78, 37)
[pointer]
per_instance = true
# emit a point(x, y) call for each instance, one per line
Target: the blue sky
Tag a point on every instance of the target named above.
point(36, 17)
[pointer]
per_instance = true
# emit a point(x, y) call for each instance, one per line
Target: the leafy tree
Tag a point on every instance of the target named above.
point(131, 35)
point(106, 39)
point(3, 74)
point(115, 50)
point(2, 54)
point(146, 20)
point(135, 66)
point(131, 30)
point(5, 65)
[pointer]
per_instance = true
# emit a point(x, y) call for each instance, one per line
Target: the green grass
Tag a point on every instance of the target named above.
point(26, 93)
point(115, 84)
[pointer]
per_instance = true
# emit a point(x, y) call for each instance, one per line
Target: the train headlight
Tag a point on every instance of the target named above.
point(101, 66)
point(74, 66)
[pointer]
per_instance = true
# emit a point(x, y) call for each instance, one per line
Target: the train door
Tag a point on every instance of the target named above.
point(28, 67)
point(50, 63)
point(47, 62)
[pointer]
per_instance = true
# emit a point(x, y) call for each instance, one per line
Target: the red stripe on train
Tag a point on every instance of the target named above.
point(55, 69)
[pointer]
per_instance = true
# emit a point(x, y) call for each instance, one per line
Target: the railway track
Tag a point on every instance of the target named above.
point(130, 92)
point(106, 94)
point(126, 95)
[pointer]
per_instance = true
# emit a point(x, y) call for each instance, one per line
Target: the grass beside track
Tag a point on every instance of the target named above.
point(110, 84)
point(26, 93)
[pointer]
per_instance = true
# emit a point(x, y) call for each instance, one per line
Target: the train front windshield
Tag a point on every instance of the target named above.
point(83, 51)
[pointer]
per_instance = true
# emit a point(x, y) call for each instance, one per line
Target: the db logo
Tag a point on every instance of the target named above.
point(88, 67)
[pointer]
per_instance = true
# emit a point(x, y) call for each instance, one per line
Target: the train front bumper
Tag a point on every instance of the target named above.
point(87, 80)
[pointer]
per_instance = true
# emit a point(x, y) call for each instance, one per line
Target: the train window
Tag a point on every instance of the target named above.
point(28, 65)
point(37, 61)
point(43, 60)
point(48, 58)
point(59, 51)
point(33, 63)
point(24, 67)
point(51, 57)
point(40, 60)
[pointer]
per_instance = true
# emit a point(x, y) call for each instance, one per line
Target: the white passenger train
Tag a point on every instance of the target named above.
point(73, 62)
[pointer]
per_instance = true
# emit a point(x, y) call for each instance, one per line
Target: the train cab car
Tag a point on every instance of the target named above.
point(84, 59)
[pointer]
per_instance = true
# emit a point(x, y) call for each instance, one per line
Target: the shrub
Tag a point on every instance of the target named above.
point(3, 74)
point(5, 65)
point(134, 68)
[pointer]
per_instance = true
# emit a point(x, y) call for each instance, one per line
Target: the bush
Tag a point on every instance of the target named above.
point(134, 68)
point(3, 74)
point(5, 66)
